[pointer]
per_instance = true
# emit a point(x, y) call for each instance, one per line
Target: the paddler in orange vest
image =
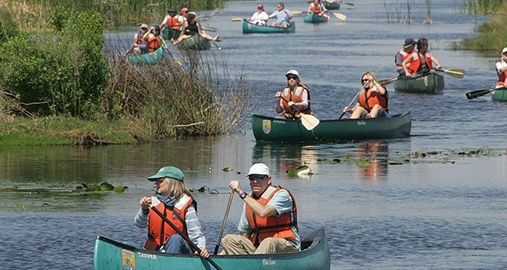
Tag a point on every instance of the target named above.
point(401, 55)
point(372, 99)
point(501, 69)
point(318, 8)
point(420, 62)
point(175, 201)
point(268, 224)
point(294, 99)
point(172, 20)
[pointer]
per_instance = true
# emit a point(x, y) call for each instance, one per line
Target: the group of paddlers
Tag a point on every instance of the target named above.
point(184, 24)
point(294, 100)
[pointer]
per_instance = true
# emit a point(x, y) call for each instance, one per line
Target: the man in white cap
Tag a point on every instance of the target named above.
point(501, 69)
point(294, 99)
point(268, 224)
point(260, 17)
point(175, 201)
point(401, 55)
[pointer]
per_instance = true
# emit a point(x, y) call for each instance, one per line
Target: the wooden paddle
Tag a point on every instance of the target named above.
point(223, 222)
point(236, 19)
point(340, 16)
point(309, 121)
point(185, 237)
point(453, 72)
point(354, 99)
point(479, 93)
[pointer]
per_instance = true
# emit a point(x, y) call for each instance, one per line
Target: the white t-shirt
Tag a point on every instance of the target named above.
point(500, 65)
point(259, 18)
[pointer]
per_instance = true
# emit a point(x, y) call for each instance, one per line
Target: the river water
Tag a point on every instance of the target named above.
point(436, 200)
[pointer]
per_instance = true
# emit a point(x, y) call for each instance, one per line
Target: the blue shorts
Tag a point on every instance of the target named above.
point(383, 113)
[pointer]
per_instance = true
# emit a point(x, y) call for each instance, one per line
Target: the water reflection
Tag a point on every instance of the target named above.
point(286, 157)
point(372, 160)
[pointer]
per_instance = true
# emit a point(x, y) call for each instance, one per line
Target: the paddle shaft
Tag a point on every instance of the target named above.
point(307, 120)
point(223, 222)
point(185, 237)
point(213, 42)
point(354, 99)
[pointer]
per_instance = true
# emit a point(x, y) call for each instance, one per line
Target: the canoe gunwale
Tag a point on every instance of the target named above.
point(428, 83)
point(249, 28)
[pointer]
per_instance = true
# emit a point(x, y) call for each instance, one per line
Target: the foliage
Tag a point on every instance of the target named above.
point(491, 39)
point(63, 73)
point(169, 99)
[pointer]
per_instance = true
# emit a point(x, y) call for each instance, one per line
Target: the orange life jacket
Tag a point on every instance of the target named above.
point(154, 42)
point(415, 64)
point(296, 96)
point(404, 55)
point(159, 230)
point(370, 98)
point(273, 226)
point(316, 9)
point(173, 22)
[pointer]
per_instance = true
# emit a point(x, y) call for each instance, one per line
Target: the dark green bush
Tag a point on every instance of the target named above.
point(60, 73)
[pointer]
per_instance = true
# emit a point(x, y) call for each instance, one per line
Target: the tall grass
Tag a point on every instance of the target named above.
point(193, 96)
point(34, 14)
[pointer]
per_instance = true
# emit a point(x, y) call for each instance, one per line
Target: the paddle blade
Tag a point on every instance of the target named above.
point(340, 16)
point(478, 93)
point(454, 72)
point(236, 19)
point(309, 121)
point(350, 4)
point(294, 13)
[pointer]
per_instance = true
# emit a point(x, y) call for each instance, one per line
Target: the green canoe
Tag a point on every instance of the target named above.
point(268, 129)
point(113, 255)
point(249, 28)
point(196, 43)
point(332, 5)
point(147, 58)
point(314, 18)
point(168, 33)
point(429, 83)
point(499, 94)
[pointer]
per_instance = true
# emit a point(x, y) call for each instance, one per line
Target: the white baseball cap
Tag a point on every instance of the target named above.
point(259, 169)
point(504, 50)
point(292, 72)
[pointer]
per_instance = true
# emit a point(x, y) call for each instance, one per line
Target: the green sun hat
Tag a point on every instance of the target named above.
point(170, 172)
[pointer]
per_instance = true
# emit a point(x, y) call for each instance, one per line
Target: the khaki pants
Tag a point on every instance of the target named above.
point(234, 244)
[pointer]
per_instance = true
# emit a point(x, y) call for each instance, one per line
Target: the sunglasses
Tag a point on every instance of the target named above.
point(292, 77)
point(364, 80)
point(256, 177)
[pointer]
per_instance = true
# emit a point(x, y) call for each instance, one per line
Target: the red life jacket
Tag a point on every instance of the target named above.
point(296, 96)
point(316, 9)
point(273, 226)
point(158, 229)
point(173, 22)
point(154, 42)
point(370, 98)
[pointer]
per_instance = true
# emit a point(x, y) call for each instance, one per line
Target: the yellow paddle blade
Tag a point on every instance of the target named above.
point(236, 19)
point(309, 121)
point(294, 13)
point(340, 16)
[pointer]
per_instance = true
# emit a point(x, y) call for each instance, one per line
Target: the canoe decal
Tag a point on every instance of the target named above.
point(268, 261)
point(426, 81)
point(266, 126)
point(128, 260)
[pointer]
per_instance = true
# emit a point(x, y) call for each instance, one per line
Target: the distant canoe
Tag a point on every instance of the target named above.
point(499, 94)
point(314, 18)
point(269, 129)
point(332, 5)
point(147, 58)
point(249, 28)
point(195, 42)
point(110, 254)
point(169, 33)
point(429, 83)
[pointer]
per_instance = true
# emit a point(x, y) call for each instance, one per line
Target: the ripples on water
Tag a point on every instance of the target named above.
point(438, 212)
